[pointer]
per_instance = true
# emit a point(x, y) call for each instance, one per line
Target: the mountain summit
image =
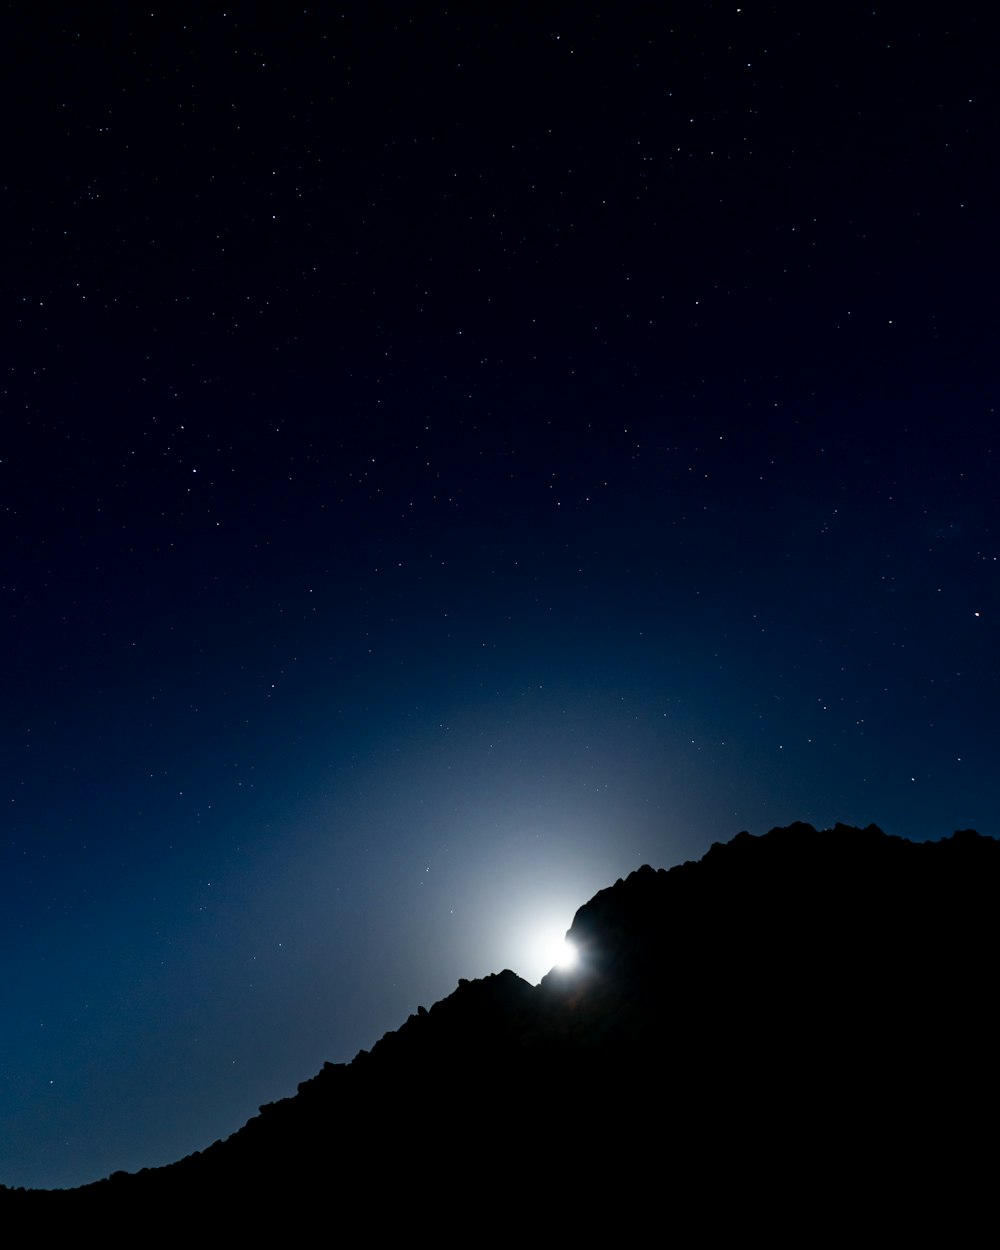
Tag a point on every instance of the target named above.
point(799, 1018)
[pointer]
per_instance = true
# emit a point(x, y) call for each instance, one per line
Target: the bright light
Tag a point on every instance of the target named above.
point(555, 952)
point(536, 944)
point(567, 956)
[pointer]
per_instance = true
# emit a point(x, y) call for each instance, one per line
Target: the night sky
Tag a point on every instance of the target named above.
point(449, 458)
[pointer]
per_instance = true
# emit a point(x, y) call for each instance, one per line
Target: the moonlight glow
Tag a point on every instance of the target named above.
point(548, 948)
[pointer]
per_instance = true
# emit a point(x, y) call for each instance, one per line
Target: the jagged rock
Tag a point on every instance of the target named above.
point(799, 1011)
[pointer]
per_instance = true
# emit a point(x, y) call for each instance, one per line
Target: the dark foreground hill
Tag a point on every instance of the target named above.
point(794, 1035)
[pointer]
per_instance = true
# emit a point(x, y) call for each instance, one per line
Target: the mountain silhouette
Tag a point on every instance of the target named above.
point(792, 1034)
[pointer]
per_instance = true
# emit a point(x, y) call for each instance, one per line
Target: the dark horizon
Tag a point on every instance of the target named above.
point(766, 976)
point(449, 460)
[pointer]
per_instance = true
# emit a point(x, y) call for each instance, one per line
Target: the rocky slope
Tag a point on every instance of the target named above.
point(796, 1023)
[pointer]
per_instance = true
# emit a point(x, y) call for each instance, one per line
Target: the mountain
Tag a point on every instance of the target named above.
point(792, 1033)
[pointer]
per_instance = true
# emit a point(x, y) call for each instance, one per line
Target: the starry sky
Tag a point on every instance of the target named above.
point(448, 458)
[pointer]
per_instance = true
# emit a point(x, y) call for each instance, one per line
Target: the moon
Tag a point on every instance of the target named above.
point(550, 949)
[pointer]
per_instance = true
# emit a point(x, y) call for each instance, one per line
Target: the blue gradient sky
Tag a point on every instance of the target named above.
point(448, 461)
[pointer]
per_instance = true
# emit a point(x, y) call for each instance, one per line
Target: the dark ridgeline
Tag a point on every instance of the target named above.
point(790, 1035)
